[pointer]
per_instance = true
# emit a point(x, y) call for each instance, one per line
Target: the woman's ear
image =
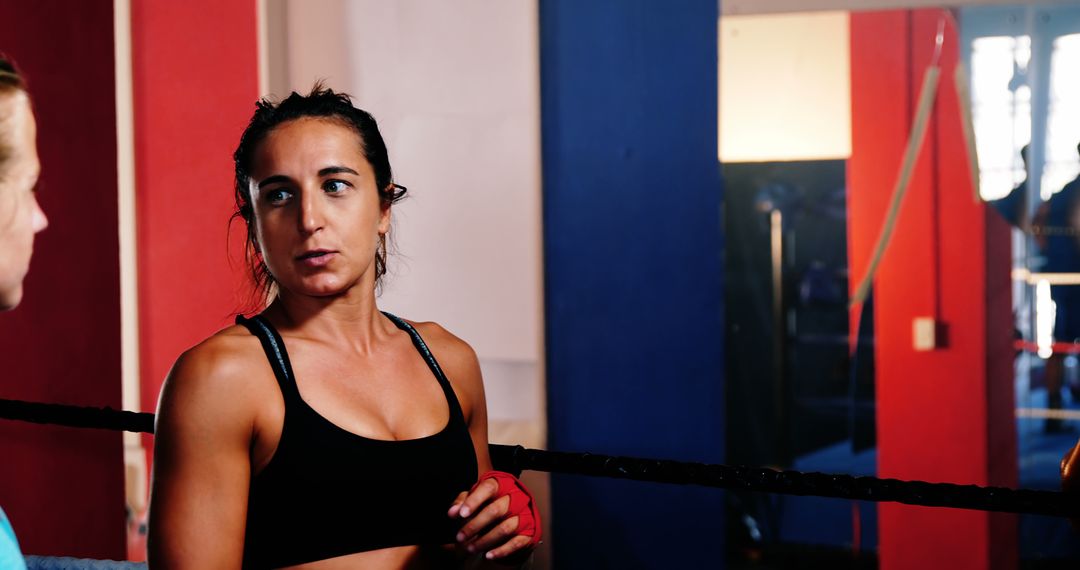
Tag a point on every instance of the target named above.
point(384, 219)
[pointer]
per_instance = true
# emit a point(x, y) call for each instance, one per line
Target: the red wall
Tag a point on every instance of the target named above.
point(195, 73)
point(62, 487)
point(946, 414)
point(195, 79)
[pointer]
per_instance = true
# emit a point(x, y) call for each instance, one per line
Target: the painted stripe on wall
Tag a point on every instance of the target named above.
point(195, 81)
point(948, 258)
point(633, 283)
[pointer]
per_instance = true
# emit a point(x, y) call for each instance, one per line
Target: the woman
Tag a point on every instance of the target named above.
point(323, 433)
point(20, 218)
point(20, 215)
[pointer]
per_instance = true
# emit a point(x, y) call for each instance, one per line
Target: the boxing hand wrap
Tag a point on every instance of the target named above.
point(522, 504)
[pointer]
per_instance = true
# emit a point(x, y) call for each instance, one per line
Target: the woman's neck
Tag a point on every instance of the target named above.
point(350, 319)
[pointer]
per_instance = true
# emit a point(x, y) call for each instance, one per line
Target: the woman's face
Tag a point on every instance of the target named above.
point(20, 215)
point(317, 211)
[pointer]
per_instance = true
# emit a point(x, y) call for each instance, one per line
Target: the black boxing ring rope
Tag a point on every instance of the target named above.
point(515, 458)
point(77, 416)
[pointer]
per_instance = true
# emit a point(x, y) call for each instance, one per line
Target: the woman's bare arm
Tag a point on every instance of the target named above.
point(463, 368)
point(202, 465)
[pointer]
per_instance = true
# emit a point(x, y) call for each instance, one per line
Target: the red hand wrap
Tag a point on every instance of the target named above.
point(522, 504)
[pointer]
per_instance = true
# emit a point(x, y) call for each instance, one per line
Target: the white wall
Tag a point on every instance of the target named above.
point(455, 88)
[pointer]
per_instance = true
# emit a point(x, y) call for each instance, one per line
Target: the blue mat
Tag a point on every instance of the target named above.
point(66, 563)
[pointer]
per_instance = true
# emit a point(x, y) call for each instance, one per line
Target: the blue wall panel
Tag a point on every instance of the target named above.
point(633, 273)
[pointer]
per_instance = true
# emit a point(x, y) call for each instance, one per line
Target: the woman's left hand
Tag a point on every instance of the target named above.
point(502, 519)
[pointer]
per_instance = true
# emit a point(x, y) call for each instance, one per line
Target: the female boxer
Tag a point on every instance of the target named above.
point(323, 433)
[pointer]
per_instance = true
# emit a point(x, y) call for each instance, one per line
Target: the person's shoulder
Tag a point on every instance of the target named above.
point(213, 402)
point(435, 334)
point(1072, 187)
point(216, 370)
point(1066, 200)
point(226, 353)
point(455, 355)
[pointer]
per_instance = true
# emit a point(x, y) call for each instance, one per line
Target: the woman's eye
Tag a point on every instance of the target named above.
point(278, 195)
point(335, 186)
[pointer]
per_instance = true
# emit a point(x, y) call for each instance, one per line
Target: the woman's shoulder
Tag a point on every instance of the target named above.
point(213, 405)
point(434, 333)
point(455, 355)
point(220, 367)
point(226, 352)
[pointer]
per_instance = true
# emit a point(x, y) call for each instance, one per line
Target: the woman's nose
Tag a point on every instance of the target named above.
point(311, 212)
point(39, 221)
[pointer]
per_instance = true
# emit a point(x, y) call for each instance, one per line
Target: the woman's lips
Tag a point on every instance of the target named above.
point(315, 259)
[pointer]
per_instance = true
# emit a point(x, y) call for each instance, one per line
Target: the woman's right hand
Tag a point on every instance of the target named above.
point(501, 518)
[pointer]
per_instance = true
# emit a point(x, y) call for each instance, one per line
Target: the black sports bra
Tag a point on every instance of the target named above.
point(328, 492)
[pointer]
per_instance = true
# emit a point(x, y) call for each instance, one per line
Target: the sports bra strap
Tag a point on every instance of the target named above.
point(274, 347)
point(278, 356)
point(433, 364)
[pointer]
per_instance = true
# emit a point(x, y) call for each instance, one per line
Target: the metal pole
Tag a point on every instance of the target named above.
point(779, 352)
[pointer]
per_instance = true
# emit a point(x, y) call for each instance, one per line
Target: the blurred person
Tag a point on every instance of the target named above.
point(1056, 230)
point(1013, 206)
point(1057, 226)
point(1062, 254)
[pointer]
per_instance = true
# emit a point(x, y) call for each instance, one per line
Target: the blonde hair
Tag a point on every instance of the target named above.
point(10, 82)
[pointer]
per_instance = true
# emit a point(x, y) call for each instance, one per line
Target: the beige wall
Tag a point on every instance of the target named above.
point(734, 7)
point(455, 88)
point(785, 87)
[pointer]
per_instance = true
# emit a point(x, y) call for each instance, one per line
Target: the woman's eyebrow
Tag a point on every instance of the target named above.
point(323, 172)
point(337, 170)
point(273, 179)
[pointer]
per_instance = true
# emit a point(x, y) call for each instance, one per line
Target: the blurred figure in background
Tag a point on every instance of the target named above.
point(1057, 231)
point(1013, 206)
point(1056, 228)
